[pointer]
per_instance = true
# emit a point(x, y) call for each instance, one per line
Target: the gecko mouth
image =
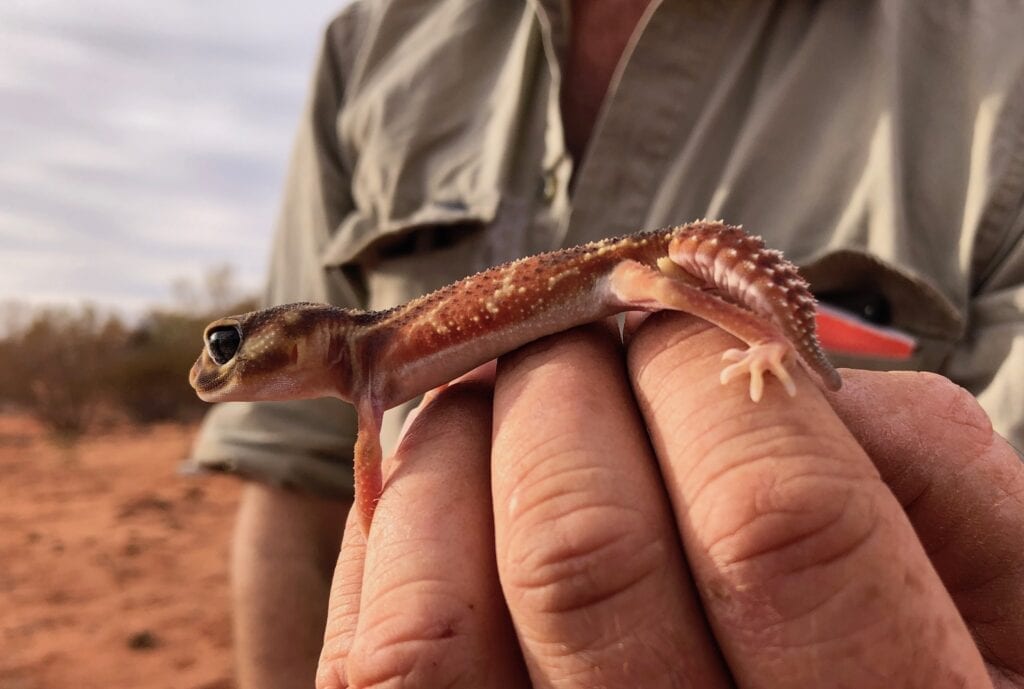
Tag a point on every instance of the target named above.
point(206, 380)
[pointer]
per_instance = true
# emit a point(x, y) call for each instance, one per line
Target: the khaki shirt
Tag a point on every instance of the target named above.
point(879, 144)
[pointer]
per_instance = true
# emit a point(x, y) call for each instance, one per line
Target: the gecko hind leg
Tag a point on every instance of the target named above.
point(367, 464)
point(756, 360)
point(642, 287)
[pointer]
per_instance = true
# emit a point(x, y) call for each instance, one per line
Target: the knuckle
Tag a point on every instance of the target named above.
point(330, 674)
point(409, 649)
point(791, 554)
point(791, 524)
point(587, 554)
point(952, 404)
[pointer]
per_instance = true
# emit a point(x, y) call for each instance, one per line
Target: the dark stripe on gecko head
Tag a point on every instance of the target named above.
point(269, 362)
point(299, 320)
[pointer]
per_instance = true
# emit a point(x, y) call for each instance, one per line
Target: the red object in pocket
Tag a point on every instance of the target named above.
point(845, 333)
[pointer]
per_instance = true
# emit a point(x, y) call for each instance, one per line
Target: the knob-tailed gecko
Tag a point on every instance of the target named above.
point(379, 359)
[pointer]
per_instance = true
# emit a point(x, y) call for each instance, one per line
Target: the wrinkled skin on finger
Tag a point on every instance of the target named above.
point(962, 487)
point(418, 603)
point(587, 546)
point(810, 571)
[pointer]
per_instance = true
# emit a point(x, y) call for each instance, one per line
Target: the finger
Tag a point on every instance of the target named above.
point(484, 373)
point(810, 572)
point(587, 551)
point(343, 607)
point(962, 487)
point(431, 612)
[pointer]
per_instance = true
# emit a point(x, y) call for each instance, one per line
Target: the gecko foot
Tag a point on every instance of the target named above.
point(766, 356)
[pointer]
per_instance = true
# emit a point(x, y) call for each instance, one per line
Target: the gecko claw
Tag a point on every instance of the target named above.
point(754, 362)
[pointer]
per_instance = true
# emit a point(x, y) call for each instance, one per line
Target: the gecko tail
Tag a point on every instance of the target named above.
point(740, 269)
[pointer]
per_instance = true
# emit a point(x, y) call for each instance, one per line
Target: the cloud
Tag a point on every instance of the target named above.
point(144, 141)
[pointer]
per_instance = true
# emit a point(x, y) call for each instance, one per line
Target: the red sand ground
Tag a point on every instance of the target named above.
point(113, 569)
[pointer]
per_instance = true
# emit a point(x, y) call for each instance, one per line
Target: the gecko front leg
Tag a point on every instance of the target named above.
point(367, 461)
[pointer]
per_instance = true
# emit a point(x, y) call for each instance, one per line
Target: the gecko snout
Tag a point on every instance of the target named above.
point(222, 343)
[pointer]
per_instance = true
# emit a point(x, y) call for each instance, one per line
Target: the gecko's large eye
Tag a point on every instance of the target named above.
point(222, 343)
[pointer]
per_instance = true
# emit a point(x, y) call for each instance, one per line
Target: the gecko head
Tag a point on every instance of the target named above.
point(281, 353)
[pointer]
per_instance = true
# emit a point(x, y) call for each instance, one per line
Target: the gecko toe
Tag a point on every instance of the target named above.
point(734, 355)
point(756, 384)
point(787, 380)
point(762, 358)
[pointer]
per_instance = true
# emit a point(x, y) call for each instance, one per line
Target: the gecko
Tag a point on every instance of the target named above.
point(377, 360)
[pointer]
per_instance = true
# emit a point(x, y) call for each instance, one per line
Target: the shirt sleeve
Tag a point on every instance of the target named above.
point(990, 360)
point(305, 444)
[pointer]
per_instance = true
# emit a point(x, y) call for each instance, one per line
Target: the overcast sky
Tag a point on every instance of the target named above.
point(144, 141)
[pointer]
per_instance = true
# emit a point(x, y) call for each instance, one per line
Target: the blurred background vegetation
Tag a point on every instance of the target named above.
point(77, 369)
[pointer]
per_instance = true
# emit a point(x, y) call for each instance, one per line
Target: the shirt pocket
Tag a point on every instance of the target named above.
point(875, 293)
point(402, 258)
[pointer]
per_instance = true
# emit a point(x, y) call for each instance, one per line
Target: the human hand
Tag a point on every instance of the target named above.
point(564, 553)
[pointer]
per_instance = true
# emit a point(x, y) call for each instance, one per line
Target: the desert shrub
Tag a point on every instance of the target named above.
point(65, 365)
point(150, 381)
point(58, 363)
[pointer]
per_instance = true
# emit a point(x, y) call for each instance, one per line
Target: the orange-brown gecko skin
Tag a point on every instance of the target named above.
point(377, 360)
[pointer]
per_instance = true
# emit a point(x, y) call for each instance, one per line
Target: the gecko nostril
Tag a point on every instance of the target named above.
point(222, 343)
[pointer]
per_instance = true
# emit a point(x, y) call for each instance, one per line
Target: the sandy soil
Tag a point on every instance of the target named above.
point(113, 569)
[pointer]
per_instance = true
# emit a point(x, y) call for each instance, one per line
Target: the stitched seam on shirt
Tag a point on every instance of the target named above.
point(661, 119)
point(994, 240)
